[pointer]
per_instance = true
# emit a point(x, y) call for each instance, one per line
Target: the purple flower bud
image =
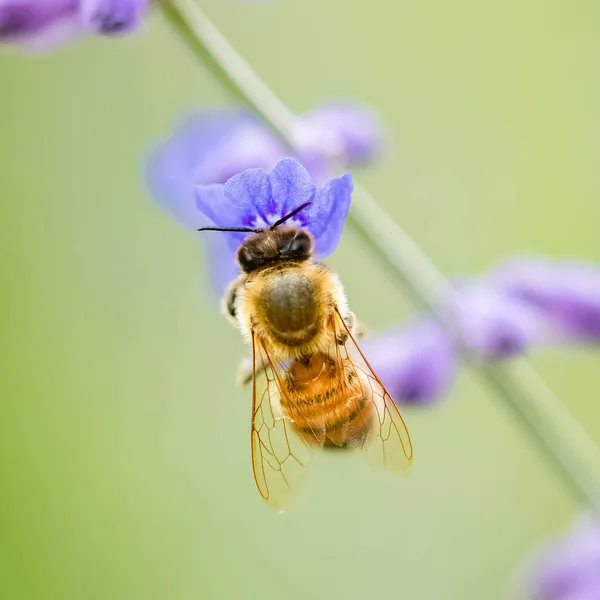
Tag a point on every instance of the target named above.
point(416, 363)
point(112, 17)
point(491, 324)
point(257, 199)
point(42, 24)
point(344, 132)
point(567, 293)
point(38, 24)
point(570, 568)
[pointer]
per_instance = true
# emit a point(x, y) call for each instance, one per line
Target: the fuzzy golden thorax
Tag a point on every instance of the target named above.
point(290, 306)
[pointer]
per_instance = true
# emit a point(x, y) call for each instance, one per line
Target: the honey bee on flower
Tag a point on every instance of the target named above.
point(312, 385)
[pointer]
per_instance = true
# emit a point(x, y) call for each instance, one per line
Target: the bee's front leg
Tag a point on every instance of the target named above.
point(228, 302)
point(356, 327)
point(245, 372)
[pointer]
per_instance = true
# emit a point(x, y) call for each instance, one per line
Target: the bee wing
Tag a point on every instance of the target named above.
point(279, 456)
point(386, 441)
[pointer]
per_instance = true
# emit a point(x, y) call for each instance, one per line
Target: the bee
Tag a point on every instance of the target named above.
point(312, 385)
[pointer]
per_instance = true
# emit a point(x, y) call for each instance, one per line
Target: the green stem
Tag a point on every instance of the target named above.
point(564, 442)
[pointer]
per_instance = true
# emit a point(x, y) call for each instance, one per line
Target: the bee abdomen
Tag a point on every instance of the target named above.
point(334, 421)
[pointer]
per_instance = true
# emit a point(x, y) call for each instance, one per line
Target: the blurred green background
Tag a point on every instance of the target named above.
point(124, 453)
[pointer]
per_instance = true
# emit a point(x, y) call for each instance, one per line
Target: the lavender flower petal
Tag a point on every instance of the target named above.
point(416, 363)
point(493, 325)
point(292, 186)
point(326, 216)
point(249, 197)
point(112, 17)
point(567, 293)
point(570, 568)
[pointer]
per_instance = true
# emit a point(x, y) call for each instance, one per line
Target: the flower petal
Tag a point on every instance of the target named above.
point(326, 216)
point(569, 568)
point(248, 197)
point(247, 144)
point(492, 324)
point(38, 25)
point(416, 363)
point(211, 202)
point(291, 185)
point(344, 131)
point(112, 17)
point(207, 147)
point(567, 293)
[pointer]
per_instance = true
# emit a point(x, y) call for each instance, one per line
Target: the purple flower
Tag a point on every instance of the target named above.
point(416, 363)
point(42, 24)
point(491, 324)
point(343, 132)
point(38, 24)
point(112, 17)
point(567, 294)
point(257, 199)
point(570, 568)
point(212, 146)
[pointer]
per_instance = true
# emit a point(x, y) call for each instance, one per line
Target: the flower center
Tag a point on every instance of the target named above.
point(264, 222)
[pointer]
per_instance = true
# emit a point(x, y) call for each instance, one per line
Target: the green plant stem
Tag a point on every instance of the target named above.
point(558, 434)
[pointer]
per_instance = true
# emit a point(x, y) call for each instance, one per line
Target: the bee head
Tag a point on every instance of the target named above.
point(286, 244)
point(272, 245)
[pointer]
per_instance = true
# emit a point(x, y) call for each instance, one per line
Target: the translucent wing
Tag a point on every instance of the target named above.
point(385, 439)
point(279, 456)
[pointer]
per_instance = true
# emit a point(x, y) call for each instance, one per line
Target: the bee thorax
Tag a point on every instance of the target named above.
point(290, 307)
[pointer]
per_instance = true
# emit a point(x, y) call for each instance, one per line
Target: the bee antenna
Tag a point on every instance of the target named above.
point(240, 229)
point(289, 215)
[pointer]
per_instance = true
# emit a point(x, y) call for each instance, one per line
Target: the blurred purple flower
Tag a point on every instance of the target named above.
point(417, 363)
point(208, 147)
point(42, 24)
point(491, 324)
point(567, 294)
point(257, 199)
point(570, 568)
point(38, 24)
point(112, 17)
point(345, 133)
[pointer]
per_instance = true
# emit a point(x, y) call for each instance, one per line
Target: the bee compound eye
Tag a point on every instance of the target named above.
point(299, 246)
point(244, 256)
point(296, 245)
point(250, 259)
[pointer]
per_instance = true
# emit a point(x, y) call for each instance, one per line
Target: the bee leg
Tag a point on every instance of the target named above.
point(245, 372)
point(355, 326)
point(228, 303)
